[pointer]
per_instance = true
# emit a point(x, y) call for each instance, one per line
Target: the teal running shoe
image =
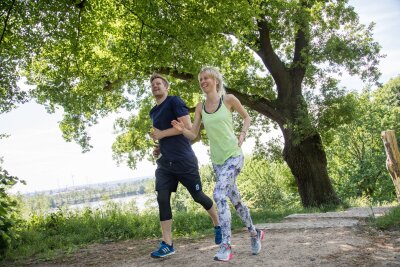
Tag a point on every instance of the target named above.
point(164, 251)
point(224, 253)
point(256, 241)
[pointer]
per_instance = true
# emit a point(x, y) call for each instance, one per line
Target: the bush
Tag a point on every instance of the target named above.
point(8, 211)
point(269, 184)
point(389, 221)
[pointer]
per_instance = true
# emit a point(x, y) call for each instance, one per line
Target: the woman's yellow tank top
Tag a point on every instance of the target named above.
point(222, 139)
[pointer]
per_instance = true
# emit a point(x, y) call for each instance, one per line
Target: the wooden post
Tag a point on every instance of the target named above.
point(393, 158)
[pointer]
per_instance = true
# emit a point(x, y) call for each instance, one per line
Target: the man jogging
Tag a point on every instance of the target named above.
point(177, 163)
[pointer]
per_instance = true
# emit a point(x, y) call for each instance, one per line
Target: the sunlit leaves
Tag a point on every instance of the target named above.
point(356, 153)
point(133, 141)
point(92, 58)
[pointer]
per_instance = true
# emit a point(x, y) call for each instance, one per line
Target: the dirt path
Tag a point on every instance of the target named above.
point(328, 239)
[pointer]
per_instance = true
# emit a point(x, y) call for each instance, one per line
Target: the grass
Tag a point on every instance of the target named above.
point(389, 221)
point(60, 233)
point(45, 236)
point(63, 232)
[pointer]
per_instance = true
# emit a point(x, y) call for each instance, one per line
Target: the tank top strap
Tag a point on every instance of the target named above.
point(219, 105)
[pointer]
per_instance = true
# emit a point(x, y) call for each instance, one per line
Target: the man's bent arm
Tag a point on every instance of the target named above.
point(160, 134)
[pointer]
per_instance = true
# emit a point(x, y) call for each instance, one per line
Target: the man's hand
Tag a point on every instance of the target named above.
point(156, 134)
point(156, 151)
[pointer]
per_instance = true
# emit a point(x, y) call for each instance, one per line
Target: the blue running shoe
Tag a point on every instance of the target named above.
point(218, 234)
point(164, 251)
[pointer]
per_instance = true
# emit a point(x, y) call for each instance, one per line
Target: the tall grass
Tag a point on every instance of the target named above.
point(389, 221)
point(46, 236)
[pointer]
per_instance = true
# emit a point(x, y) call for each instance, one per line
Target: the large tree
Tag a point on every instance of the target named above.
point(92, 57)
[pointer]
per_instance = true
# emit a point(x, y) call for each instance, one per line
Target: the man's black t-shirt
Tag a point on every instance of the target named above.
point(173, 148)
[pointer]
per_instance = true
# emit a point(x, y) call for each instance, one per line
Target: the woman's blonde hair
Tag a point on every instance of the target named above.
point(214, 72)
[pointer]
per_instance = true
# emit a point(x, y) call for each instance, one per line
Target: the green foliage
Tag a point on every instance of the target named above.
point(95, 57)
point(66, 229)
point(355, 150)
point(267, 184)
point(13, 53)
point(270, 151)
point(389, 221)
point(9, 217)
point(133, 144)
point(332, 108)
point(45, 236)
point(261, 184)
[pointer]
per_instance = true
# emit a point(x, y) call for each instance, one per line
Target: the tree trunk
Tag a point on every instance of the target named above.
point(307, 161)
point(303, 151)
point(393, 158)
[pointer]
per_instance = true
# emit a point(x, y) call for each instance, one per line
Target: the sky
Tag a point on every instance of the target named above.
point(36, 152)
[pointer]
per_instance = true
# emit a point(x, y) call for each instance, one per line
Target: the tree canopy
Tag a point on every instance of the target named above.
point(91, 58)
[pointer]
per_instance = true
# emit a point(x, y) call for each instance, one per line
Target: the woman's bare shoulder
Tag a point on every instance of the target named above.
point(230, 98)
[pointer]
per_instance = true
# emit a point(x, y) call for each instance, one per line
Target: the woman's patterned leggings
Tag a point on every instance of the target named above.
point(226, 187)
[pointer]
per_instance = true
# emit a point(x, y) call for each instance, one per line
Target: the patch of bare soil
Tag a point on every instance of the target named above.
point(357, 245)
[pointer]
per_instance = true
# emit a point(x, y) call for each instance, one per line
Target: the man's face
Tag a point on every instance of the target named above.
point(158, 87)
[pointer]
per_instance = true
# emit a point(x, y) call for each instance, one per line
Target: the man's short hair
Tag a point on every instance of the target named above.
point(159, 76)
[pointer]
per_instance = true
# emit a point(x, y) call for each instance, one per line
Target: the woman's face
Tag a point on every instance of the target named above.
point(207, 82)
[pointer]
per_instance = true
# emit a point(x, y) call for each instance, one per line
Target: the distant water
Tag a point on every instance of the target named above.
point(140, 201)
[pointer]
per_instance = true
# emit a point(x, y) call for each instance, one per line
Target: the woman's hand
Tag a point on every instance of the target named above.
point(178, 125)
point(241, 138)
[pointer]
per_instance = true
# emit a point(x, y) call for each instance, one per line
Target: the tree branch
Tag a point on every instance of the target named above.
point(259, 104)
point(271, 60)
point(172, 5)
point(80, 6)
point(6, 22)
point(137, 16)
point(174, 73)
point(140, 39)
point(300, 44)
point(156, 29)
point(301, 47)
point(110, 86)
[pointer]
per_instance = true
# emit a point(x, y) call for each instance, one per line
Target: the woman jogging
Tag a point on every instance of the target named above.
point(226, 154)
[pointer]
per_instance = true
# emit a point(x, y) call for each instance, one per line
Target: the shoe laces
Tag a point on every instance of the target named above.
point(254, 238)
point(224, 247)
point(164, 245)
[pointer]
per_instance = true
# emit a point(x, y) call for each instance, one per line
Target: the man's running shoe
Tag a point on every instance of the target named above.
point(163, 251)
point(256, 241)
point(224, 253)
point(218, 234)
